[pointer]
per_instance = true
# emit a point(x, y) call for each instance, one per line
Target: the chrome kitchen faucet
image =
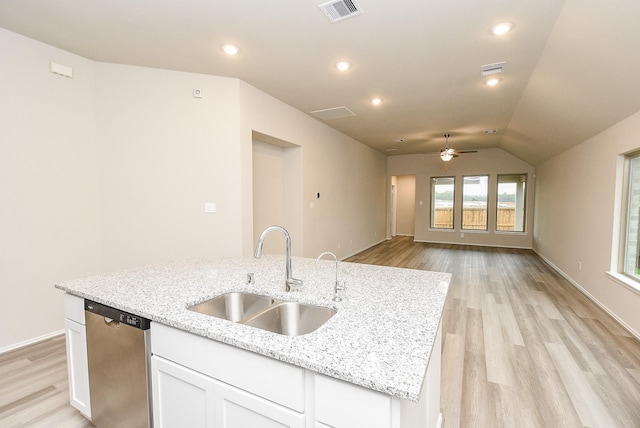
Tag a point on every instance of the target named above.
point(290, 282)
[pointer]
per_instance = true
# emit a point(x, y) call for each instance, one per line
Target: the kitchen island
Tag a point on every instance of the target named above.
point(382, 345)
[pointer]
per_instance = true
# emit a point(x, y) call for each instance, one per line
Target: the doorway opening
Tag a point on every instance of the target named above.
point(403, 205)
point(277, 192)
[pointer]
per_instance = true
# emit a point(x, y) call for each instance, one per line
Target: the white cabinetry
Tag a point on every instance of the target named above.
point(236, 408)
point(192, 385)
point(181, 397)
point(342, 404)
point(76, 338)
point(198, 382)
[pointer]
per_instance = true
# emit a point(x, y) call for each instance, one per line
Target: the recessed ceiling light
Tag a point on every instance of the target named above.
point(376, 101)
point(230, 49)
point(343, 65)
point(502, 28)
point(492, 82)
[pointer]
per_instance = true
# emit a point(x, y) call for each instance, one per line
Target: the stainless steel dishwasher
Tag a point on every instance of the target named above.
point(118, 355)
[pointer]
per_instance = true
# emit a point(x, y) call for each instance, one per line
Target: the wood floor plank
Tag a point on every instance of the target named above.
point(499, 369)
point(522, 347)
point(453, 370)
point(34, 387)
point(590, 407)
point(567, 364)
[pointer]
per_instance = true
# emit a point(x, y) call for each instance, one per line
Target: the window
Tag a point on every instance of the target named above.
point(442, 189)
point(511, 199)
point(631, 260)
point(474, 202)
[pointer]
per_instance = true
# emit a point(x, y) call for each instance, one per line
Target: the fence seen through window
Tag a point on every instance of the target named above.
point(510, 208)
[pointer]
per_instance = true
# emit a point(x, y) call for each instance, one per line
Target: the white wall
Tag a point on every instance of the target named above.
point(574, 220)
point(349, 216)
point(269, 194)
point(111, 169)
point(49, 199)
point(163, 155)
point(405, 205)
point(488, 161)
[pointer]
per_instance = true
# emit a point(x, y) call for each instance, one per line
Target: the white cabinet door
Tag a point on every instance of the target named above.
point(181, 397)
point(236, 408)
point(76, 335)
point(185, 398)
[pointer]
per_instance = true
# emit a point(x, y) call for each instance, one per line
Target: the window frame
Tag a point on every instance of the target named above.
point(433, 202)
point(626, 207)
point(621, 209)
point(524, 203)
point(462, 210)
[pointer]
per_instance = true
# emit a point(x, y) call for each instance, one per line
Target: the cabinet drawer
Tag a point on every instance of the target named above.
point(74, 308)
point(341, 404)
point(268, 378)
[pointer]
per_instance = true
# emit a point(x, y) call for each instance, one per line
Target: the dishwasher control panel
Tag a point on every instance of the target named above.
point(117, 315)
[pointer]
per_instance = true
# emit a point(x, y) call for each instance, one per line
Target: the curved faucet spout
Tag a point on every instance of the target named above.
point(290, 280)
point(337, 287)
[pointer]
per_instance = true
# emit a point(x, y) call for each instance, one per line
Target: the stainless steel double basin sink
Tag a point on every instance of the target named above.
point(266, 313)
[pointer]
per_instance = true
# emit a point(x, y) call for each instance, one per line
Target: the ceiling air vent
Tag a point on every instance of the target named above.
point(333, 113)
point(341, 9)
point(495, 68)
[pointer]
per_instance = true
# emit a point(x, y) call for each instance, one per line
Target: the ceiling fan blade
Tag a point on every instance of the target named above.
point(466, 151)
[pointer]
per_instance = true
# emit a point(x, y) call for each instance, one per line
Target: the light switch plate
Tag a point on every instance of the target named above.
point(210, 207)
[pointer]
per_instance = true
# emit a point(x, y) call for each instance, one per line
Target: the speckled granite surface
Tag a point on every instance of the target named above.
point(380, 338)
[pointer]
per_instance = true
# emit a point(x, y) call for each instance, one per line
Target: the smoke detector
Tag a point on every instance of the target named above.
point(340, 10)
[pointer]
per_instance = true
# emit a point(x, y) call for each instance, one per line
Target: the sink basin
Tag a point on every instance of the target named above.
point(233, 306)
point(292, 318)
point(266, 313)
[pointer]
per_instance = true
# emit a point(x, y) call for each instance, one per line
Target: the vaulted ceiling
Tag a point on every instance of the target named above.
point(571, 68)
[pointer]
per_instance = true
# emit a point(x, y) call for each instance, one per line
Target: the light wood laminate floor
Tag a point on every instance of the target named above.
point(521, 348)
point(34, 389)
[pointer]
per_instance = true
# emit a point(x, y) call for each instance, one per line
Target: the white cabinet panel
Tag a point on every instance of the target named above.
point(74, 308)
point(239, 409)
point(77, 366)
point(271, 379)
point(343, 405)
point(181, 397)
point(185, 398)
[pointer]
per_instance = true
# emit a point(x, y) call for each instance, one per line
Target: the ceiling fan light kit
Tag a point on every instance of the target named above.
point(448, 153)
point(446, 156)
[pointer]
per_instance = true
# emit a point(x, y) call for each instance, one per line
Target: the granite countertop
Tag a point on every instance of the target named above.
point(380, 338)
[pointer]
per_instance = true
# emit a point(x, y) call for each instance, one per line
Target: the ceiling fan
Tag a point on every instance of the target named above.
point(447, 154)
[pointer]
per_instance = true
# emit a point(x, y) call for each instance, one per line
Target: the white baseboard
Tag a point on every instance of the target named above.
point(516, 247)
point(590, 296)
point(30, 341)
point(364, 249)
